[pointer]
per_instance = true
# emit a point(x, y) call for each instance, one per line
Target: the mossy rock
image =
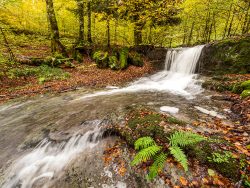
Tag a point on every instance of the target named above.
point(150, 119)
point(123, 58)
point(246, 85)
point(173, 120)
point(228, 57)
point(135, 59)
point(203, 152)
point(101, 59)
point(113, 63)
point(245, 93)
point(237, 88)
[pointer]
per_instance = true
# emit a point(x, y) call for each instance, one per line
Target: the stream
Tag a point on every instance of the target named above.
point(42, 137)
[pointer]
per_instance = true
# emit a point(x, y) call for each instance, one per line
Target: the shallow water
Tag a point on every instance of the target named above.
point(71, 118)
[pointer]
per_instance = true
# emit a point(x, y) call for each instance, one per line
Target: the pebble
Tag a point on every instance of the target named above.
point(245, 134)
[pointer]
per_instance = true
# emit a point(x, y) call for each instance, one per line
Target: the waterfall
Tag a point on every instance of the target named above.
point(48, 159)
point(183, 60)
point(178, 77)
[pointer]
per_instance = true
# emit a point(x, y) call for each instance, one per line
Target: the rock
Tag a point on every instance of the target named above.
point(245, 134)
point(245, 93)
point(171, 110)
point(220, 97)
point(211, 113)
point(112, 87)
point(123, 58)
point(59, 136)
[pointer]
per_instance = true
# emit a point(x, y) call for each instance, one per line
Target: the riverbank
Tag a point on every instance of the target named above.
point(83, 75)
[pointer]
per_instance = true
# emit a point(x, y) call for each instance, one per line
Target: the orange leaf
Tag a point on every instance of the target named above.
point(183, 181)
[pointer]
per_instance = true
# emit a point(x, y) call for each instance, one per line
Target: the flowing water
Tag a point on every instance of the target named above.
point(76, 118)
point(177, 78)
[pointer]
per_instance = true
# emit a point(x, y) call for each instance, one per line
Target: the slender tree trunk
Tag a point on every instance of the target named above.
point(227, 21)
point(108, 32)
point(210, 32)
point(138, 34)
point(11, 54)
point(191, 34)
point(245, 26)
point(80, 5)
point(89, 22)
point(94, 26)
point(116, 25)
point(215, 32)
point(150, 35)
point(170, 43)
point(56, 45)
point(231, 24)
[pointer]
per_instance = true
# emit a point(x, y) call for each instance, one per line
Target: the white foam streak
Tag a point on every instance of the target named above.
point(48, 160)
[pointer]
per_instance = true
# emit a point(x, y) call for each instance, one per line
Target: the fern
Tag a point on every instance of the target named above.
point(144, 142)
point(180, 156)
point(182, 138)
point(146, 154)
point(158, 165)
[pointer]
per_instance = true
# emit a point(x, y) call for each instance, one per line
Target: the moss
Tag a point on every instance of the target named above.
point(229, 56)
point(101, 59)
point(245, 93)
point(203, 152)
point(113, 63)
point(237, 88)
point(245, 85)
point(135, 59)
point(174, 120)
point(150, 119)
point(124, 58)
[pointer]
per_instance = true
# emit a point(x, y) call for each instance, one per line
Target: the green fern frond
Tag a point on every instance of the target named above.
point(144, 142)
point(158, 165)
point(179, 156)
point(146, 154)
point(182, 138)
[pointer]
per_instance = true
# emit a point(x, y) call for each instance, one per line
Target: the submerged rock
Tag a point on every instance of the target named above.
point(171, 110)
point(211, 113)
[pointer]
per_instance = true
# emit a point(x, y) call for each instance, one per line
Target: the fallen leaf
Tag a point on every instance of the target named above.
point(183, 181)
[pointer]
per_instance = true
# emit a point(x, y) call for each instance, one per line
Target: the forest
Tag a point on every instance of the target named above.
point(115, 93)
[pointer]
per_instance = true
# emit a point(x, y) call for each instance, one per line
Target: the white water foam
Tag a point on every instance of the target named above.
point(178, 77)
point(48, 160)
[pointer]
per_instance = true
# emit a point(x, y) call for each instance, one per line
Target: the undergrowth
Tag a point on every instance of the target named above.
point(43, 73)
point(149, 150)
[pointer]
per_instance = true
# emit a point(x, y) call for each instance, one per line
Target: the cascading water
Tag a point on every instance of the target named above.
point(178, 77)
point(47, 160)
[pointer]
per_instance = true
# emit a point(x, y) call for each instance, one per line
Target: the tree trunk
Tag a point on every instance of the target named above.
point(138, 34)
point(11, 54)
point(191, 34)
point(80, 5)
point(116, 25)
point(230, 25)
point(215, 32)
point(56, 45)
point(89, 22)
point(228, 17)
point(108, 32)
point(245, 26)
